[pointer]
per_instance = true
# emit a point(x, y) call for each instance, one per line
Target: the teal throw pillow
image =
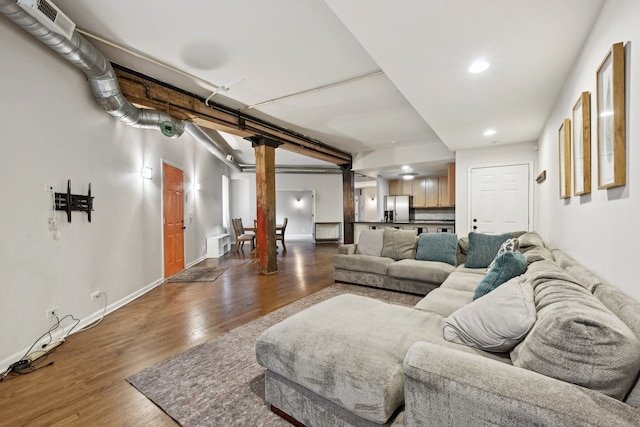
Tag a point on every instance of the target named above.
point(483, 248)
point(507, 266)
point(440, 247)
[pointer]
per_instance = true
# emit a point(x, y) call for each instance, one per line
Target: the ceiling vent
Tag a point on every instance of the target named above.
point(49, 15)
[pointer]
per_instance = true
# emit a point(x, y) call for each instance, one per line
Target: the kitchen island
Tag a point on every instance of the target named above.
point(421, 226)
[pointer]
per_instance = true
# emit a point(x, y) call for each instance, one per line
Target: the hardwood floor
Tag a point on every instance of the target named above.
point(86, 385)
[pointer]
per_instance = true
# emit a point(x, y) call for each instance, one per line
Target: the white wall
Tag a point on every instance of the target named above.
point(297, 206)
point(601, 229)
point(328, 194)
point(370, 204)
point(53, 131)
point(491, 156)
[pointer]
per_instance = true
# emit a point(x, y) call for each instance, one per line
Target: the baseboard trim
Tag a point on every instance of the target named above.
point(192, 263)
point(59, 333)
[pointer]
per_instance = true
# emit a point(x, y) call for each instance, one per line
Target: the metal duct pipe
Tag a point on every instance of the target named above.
point(297, 169)
point(102, 79)
point(204, 139)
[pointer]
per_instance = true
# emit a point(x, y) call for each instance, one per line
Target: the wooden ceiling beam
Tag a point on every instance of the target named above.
point(145, 92)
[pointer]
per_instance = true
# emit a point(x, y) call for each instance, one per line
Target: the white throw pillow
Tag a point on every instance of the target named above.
point(509, 245)
point(370, 242)
point(495, 322)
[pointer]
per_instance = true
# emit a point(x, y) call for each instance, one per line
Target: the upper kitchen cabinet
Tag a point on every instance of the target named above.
point(419, 193)
point(449, 198)
point(428, 192)
point(400, 187)
point(395, 187)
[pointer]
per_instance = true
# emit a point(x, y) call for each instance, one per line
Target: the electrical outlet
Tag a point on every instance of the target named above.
point(52, 312)
point(96, 295)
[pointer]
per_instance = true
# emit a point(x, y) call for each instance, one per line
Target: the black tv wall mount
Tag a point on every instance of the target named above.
point(74, 202)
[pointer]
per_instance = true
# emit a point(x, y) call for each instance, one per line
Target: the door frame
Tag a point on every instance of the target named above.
point(164, 161)
point(528, 163)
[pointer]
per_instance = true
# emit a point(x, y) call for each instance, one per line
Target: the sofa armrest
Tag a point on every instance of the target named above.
point(347, 249)
point(445, 387)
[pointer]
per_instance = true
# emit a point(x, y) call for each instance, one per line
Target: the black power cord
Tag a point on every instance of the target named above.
point(26, 365)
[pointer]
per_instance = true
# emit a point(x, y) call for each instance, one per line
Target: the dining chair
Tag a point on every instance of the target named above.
point(242, 236)
point(280, 234)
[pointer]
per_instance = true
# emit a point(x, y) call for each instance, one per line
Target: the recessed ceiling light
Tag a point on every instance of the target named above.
point(406, 168)
point(408, 176)
point(489, 132)
point(479, 66)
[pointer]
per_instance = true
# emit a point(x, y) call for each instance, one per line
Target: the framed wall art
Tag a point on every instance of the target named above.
point(581, 145)
point(564, 150)
point(612, 168)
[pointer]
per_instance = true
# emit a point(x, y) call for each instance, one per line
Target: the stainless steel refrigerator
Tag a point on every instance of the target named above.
point(397, 208)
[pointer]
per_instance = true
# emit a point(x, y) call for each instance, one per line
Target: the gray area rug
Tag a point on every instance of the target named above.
point(219, 383)
point(198, 274)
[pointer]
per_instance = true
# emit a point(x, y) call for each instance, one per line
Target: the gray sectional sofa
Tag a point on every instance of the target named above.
point(386, 258)
point(555, 346)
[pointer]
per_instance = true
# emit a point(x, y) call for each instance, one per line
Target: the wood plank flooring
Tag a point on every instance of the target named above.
point(86, 385)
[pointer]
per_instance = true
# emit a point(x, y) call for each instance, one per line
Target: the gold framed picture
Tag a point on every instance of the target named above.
point(612, 167)
point(581, 145)
point(564, 151)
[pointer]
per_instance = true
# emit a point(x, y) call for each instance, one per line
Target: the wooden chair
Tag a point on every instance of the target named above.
point(280, 234)
point(241, 236)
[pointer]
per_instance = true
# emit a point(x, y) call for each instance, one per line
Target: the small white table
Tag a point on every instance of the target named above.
point(218, 245)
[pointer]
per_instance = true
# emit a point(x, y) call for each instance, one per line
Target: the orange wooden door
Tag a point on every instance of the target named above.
point(173, 220)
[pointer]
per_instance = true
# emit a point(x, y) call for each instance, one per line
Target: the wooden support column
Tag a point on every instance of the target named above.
point(265, 150)
point(348, 202)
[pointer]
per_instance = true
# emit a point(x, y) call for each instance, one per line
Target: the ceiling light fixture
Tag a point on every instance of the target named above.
point(406, 168)
point(408, 176)
point(479, 66)
point(489, 132)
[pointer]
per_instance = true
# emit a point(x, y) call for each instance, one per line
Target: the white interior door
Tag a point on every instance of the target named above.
point(500, 199)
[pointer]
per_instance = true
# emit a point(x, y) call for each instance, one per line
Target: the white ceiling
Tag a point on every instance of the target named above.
point(412, 57)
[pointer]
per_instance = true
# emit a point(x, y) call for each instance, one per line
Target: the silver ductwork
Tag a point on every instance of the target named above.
point(204, 139)
point(79, 52)
point(316, 170)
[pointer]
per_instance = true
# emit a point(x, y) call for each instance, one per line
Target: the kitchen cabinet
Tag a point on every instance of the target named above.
point(447, 187)
point(395, 187)
point(419, 193)
point(400, 187)
point(432, 191)
point(443, 191)
point(428, 192)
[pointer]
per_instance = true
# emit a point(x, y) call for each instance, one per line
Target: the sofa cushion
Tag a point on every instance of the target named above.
point(496, 322)
point(370, 242)
point(483, 248)
point(347, 249)
point(576, 338)
point(365, 263)
point(350, 349)
point(530, 240)
point(422, 271)
point(399, 244)
point(508, 245)
point(444, 301)
point(463, 279)
point(437, 247)
point(507, 266)
point(575, 269)
point(538, 253)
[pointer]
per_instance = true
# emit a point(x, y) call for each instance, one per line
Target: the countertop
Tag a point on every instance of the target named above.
point(413, 221)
